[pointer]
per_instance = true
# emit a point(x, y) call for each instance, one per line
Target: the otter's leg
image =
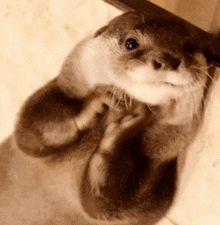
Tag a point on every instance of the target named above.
point(50, 121)
point(115, 169)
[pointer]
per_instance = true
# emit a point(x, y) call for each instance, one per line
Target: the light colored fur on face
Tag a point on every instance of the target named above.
point(141, 81)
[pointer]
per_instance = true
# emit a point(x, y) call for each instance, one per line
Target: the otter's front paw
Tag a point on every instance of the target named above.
point(125, 129)
point(90, 113)
point(49, 125)
point(115, 170)
point(117, 145)
point(60, 133)
point(56, 134)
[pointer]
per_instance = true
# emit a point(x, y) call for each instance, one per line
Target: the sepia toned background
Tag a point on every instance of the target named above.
point(35, 37)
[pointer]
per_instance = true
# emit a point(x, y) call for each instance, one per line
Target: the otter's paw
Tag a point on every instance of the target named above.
point(115, 169)
point(94, 107)
point(124, 130)
point(57, 134)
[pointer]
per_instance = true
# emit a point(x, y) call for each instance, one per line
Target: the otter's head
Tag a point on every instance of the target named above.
point(155, 60)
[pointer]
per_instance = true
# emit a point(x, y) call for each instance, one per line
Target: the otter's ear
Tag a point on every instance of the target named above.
point(212, 49)
point(100, 31)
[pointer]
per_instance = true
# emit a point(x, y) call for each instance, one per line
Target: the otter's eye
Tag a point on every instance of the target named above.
point(131, 44)
point(190, 48)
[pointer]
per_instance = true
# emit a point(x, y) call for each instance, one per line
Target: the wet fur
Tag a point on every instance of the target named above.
point(98, 144)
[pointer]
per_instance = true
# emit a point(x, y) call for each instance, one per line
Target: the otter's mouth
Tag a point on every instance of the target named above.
point(121, 100)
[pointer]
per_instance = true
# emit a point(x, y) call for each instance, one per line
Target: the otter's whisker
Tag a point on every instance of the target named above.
point(113, 97)
point(125, 99)
point(201, 67)
point(130, 101)
point(203, 71)
point(120, 98)
point(201, 89)
point(202, 82)
point(150, 108)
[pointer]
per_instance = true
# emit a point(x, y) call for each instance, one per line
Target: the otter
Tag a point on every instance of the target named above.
point(99, 143)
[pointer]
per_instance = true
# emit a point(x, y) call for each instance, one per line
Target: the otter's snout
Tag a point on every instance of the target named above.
point(165, 62)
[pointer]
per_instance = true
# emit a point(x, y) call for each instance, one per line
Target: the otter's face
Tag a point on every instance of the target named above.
point(155, 60)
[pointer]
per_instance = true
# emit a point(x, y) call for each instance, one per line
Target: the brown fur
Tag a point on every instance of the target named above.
point(87, 150)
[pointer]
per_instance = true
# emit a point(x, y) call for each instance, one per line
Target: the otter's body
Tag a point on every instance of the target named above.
point(99, 143)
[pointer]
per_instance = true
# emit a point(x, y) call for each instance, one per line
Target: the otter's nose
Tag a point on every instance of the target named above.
point(166, 62)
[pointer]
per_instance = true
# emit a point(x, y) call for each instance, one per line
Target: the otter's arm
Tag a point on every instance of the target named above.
point(117, 166)
point(50, 120)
